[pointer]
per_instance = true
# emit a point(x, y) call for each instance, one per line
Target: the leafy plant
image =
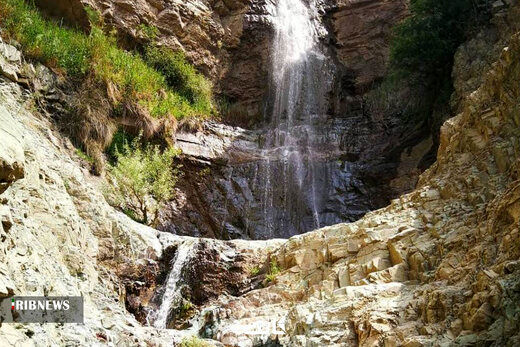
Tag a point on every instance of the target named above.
point(422, 53)
point(144, 178)
point(150, 32)
point(274, 271)
point(253, 271)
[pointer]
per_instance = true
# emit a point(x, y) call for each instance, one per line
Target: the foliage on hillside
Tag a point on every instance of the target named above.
point(149, 92)
point(422, 54)
point(144, 178)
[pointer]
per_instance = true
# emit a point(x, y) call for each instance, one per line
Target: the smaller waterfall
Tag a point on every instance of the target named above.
point(172, 291)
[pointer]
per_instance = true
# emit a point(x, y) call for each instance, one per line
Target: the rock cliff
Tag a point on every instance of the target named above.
point(369, 159)
point(438, 266)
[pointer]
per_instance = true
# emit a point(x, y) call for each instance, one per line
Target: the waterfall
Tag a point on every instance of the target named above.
point(172, 288)
point(299, 81)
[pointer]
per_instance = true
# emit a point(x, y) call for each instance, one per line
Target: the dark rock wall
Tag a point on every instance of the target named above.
point(360, 165)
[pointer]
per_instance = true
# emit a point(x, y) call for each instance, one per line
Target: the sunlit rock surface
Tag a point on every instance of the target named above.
point(439, 266)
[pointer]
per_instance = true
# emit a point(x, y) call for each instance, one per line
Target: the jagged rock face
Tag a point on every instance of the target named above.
point(226, 40)
point(58, 236)
point(362, 29)
point(57, 231)
point(439, 266)
point(230, 41)
point(222, 171)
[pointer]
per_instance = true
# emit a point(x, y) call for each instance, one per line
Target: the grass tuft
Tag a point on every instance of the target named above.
point(164, 84)
point(115, 87)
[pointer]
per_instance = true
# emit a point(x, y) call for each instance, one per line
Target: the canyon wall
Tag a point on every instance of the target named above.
point(368, 158)
point(438, 266)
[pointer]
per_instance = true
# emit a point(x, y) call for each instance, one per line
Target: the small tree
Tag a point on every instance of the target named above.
point(144, 178)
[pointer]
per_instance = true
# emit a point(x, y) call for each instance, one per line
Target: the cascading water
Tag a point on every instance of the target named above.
point(171, 296)
point(300, 79)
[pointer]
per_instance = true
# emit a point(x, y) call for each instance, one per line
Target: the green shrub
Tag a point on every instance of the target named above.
point(132, 79)
point(149, 32)
point(274, 271)
point(423, 49)
point(144, 178)
point(253, 271)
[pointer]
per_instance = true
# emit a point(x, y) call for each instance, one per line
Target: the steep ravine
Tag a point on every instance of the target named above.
point(438, 266)
point(360, 160)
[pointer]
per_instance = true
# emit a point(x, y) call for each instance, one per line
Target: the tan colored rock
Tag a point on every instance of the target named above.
point(362, 29)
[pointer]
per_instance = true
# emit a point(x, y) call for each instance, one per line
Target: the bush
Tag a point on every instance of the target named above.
point(112, 83)
point(274, 271)
point(424, 45)
point(144, 179)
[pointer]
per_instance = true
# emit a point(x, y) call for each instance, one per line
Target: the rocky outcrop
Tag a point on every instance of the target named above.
point(362, 30)
point(368, 160)
point(58, 236)
point(54, 237)
point(438, 266)
point(226, 40)
point(223, 169)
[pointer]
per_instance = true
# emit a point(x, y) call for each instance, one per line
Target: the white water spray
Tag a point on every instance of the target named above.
point(172, 293)
point(299, 82)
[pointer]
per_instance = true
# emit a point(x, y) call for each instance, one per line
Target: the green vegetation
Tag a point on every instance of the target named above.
point(253, 271)
point(150, 92)
point(144, 178)
point(182, 77)
point(119, 140)
point(47, 41)
point(129, 76)
point(194, 341)
point(423, 49)
point(84, 156)
point(274, 271)
point(149, 32)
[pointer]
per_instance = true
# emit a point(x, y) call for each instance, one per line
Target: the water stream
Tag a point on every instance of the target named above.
point(172, 293)
point(290, 179)
point(299, 81)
